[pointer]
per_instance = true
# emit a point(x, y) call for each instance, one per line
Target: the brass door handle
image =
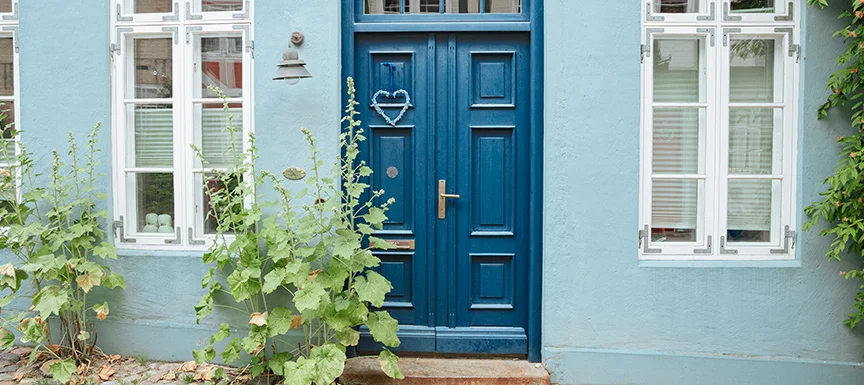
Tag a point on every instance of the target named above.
point(442, 199)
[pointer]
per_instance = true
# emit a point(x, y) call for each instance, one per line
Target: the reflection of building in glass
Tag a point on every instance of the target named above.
point(450, 6)
point(153, 68)
point(166, 6)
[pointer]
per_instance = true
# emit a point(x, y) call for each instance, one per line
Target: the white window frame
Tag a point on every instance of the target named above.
point(712, 214)
point(721, 10)
point(188, 190)
point(9, 28)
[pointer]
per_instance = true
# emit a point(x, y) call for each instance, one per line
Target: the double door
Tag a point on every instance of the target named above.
point(448, 127)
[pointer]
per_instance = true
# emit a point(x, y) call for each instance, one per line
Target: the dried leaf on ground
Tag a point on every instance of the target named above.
point(170, 376)
point(105, 372)
point(81, 368)
point(188, 367)
point(114, 358)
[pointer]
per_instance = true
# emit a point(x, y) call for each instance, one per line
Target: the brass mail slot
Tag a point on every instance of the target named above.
point(401, 244)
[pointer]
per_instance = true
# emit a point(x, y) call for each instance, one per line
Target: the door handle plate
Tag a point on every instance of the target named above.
point(442, 198)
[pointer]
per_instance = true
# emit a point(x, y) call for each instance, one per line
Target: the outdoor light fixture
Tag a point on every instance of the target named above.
point(291, 68)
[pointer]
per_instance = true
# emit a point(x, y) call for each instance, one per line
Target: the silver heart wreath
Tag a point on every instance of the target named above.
point(394, 94)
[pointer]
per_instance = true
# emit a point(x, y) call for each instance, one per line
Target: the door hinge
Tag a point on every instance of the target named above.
point(119, 232)
point(644, 240)
point(789, 237)
point(707, 250)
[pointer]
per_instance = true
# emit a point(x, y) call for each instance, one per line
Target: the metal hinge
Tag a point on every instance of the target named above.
point(176, 14)
point(707, 250)
point(192, 240)
point(645, 235)
point(14, 15)
point(176, 240)
point(789, 235)
point(645, 49)
point(118, 228)
point(250, 47)
point(795, 49)
point(723, 249)
point(189, 31)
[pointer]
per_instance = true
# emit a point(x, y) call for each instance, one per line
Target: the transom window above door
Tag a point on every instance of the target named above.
point(441, 6)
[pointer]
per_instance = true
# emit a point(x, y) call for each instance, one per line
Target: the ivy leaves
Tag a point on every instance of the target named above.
point(842, 202)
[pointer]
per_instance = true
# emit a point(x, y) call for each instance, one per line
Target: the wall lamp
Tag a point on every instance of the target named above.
point(291, 69)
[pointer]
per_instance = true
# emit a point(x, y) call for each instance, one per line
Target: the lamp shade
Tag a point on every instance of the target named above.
point(291, 67)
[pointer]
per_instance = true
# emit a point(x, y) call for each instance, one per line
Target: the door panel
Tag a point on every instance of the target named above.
point(463, 289)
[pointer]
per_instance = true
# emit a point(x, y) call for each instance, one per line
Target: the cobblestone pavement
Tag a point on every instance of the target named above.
point(110, 370)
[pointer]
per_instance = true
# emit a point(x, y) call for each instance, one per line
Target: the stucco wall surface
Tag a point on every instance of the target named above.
point(65, 72)
point(606, 318)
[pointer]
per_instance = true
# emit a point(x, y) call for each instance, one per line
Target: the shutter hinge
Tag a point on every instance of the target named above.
point(192, 240)
point(707, 250)
point(795, 49)
point(114, 48)
point(644, 236)
point(723, 249)
point(118, 228)
point(644, 50)
point(176, 240)
point(789, 237)
point(250, 47)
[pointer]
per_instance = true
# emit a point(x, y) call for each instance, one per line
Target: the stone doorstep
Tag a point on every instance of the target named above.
point(446, 371)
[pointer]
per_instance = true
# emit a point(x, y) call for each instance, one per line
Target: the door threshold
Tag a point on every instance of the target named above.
point(446, 371)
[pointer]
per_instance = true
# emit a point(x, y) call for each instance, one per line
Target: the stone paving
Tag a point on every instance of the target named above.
point(111, 370)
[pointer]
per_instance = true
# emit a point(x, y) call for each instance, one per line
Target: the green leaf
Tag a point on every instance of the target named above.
point(300, 372)
point(7, 339)
point(375, 216)
point(273, 280)
point(348, 337)
point(204, 355)
point(62, 370)
point(390, 364)
point(114, 280)
point(223, 333)
point(232, 351)
point(207, 277)
point(50, 300)
point(105, 250)
point(309, 297)
point(329, 363)
point(88, 281)
point(373, 288)
point(383, 328)
point(6, 300)
point(244, 284)
point(204, 307)
point(32, 331)
point(347, 242)
point(279, 321)
point(277, 362)
point(255, 339)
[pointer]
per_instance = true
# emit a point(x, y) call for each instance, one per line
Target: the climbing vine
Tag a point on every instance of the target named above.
point(842, 203)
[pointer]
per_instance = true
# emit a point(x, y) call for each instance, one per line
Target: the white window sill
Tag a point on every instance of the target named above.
point(740, 262)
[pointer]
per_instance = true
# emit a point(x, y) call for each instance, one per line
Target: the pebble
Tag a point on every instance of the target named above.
point(8, 368)
point(22, 352)
point(8, 356)
point(5, 376)
point(110, 383)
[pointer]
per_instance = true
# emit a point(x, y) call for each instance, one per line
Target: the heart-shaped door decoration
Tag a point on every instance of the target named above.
point(391, 95)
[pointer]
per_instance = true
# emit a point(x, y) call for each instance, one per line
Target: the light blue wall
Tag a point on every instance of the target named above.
point(608, 320)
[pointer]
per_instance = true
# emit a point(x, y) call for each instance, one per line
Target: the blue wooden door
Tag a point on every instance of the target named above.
point(460, 276)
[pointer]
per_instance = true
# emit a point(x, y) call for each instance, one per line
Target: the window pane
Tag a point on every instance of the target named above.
point(153, 137)
point(215, 204)
point(221, 65)
point(679, 141)
point(752, 71)
point(754, 205)
point(218, 5)
point(679, 70)
point(678, 6)
point(215, 140)
point(152, 69)
point(155, 202)
point(6, 6)
point(149, 6)
point(7, 67)
point(503, 6)
point(674, 210)
point(755, 141)
point(422, 6)
point(8, 150)
point(752, 6)
point(382, 6)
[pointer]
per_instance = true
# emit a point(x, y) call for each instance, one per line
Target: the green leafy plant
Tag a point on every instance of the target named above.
point(54, 231)
point(842, 204)
point(314, 250)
